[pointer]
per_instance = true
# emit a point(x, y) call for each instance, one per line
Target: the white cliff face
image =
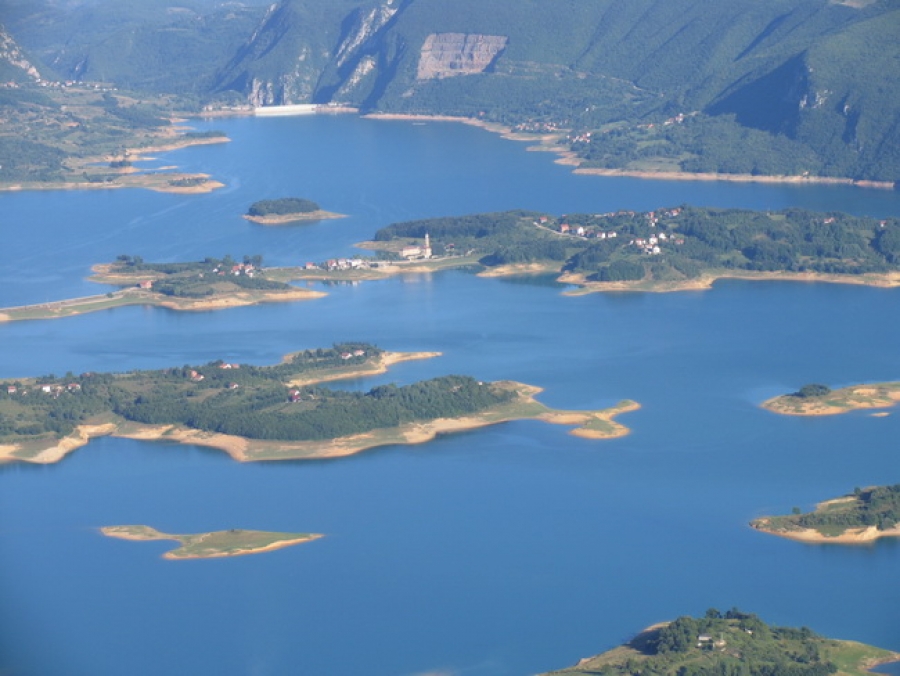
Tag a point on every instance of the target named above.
point(365, 66)
point(371, 23)
point(10, 52)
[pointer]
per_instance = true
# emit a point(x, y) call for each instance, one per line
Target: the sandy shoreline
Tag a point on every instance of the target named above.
point(282, 219)
point(72, 307)
point(888, 280)
point(851, 536)
point(737, 178)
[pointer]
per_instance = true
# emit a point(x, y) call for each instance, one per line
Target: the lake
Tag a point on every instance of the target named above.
point(505, 551)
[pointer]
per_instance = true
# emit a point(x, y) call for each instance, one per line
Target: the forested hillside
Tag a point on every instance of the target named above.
point(667, 245)
point(748, 86)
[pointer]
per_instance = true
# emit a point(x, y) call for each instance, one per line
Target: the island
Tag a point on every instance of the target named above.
point(215, 544)
point(668, 249)
point(277, 412)
point(865, 515)
point(817, 399)
point(287, 210)
point(733, 642)
point(210, 284)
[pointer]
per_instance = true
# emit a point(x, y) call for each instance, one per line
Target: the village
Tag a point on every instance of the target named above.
point(649, 245)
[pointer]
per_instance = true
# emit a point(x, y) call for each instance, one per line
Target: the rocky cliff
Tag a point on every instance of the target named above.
point(449, 54)
point(14, 65)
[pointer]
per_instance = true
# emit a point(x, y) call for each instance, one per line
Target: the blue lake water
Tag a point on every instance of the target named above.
point(504, 551)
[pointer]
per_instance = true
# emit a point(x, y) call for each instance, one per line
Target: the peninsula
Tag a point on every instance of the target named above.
point(275, 412)
point(815, 399)
point(77, 136)
point(668, 249)
point(860, 517)
point(216, 544)
point(731, 642)
point(210, 284)
point(287, 210)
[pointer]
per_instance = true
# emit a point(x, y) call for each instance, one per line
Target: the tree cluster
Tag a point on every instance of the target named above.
point(282, 206)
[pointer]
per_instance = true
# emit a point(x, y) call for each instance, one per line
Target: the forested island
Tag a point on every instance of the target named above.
point(818, 399)
point(267, 412)
point(215, 544)
point(862, 516)
point(731, 643)
point(667, 249)
point(287, 210)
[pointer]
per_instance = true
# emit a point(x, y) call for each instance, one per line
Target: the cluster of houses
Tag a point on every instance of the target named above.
point(649, 245)
point(237, 269)
point(336, 264)
point(54, 390)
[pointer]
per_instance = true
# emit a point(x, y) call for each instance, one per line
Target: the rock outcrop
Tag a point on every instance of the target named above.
point(449, 54)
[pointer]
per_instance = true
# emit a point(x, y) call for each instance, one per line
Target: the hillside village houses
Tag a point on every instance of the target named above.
point(648, 245)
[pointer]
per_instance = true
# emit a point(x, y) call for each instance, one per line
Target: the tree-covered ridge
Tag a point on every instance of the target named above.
point(877, 506)
point(282, 206)
point(254, 402)
point(733, 643)
point(668, 244)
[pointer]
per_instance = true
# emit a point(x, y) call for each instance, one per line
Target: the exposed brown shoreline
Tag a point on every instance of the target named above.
point(887, 280)
point(282, 219)
point(851, 536)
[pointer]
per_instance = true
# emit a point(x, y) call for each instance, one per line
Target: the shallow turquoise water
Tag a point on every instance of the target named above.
point(508, 550)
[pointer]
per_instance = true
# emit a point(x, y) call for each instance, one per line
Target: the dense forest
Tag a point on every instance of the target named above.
point(773, 87)
point(255, 402)
point(733, 643)
point(668, 244)
point(877, 506)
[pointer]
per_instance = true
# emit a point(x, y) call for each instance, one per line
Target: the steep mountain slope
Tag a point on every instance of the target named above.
point(148, 45)
point(753, 86)
point(15, 66)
